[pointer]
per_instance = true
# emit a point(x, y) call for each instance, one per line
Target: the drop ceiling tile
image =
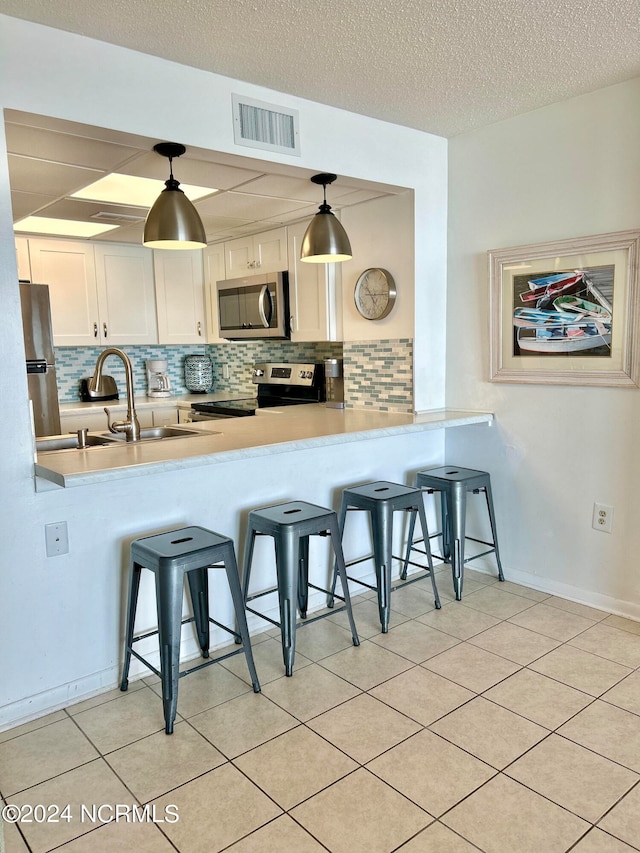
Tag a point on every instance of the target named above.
point(64, 148)
point(54, 179)
point(355, 197)
point(69, 208)
point(124, 234)
point(74, 128)
point(24, 204)
point(248, 207)
point(281, 186)
point(188, 171)
point(222, 223)
point(301, 213)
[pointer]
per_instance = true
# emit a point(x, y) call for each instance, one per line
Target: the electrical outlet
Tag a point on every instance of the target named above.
point(225, 371)
point(57, 538)
point(602, 517)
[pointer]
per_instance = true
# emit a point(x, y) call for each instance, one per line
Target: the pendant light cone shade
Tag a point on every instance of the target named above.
point(325, 240)
point(173, 222)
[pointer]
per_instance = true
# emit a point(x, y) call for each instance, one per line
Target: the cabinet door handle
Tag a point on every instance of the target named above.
point(104, 329)
point(95, 330)
point(257, 263)
point(292, 324)
point(199, 328)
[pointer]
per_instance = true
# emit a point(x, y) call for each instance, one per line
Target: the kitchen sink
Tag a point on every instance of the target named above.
point(70, 442)
point(108, 439)
point(153, 433)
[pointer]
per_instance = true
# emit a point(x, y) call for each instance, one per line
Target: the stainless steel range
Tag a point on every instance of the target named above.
point(277, 384)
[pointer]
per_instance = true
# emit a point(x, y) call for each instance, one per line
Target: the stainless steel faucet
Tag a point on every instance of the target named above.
point(130, 427)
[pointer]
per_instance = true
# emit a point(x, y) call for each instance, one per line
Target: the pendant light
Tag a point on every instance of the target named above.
point(325, 240)
point(173, 222)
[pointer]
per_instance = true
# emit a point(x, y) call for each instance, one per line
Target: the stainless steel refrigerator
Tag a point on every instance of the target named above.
point(41, 368)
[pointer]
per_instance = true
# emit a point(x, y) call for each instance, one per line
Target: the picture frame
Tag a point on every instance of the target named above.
point(566, 312)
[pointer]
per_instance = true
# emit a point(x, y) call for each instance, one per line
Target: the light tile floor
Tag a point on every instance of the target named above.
point(507, 723)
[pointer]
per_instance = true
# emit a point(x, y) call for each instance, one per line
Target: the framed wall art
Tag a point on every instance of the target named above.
point(567, 312)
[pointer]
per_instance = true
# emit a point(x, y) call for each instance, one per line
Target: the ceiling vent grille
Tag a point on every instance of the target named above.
point(116, 217)
point(265, 126)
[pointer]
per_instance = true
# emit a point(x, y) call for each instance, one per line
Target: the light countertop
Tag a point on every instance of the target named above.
point(269, 431)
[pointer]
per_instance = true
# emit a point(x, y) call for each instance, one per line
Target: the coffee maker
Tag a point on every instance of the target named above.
point(333, 383)
point(158, 383)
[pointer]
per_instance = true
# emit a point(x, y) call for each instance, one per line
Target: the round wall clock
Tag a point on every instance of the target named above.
point(375, 293)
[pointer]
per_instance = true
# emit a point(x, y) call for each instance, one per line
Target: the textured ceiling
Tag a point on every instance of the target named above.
point(443, 66)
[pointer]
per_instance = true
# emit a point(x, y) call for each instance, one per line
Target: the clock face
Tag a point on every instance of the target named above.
point(375, 293)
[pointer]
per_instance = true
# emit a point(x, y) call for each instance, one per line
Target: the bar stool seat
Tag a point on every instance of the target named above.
point(381, 499)
point(189, 551)
point(454, 483)
point(290, 524)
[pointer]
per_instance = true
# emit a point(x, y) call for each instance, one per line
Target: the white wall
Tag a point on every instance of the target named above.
point(59, 617)
point(564, 171)
point(383, 232)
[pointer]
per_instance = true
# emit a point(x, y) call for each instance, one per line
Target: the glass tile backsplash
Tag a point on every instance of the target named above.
point(378, 374)
point(76, 363)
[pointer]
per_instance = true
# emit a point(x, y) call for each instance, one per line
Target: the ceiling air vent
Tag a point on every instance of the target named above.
point(265, 126)
point(122, 218)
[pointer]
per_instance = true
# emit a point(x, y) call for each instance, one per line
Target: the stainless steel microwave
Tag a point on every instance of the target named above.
point(256, 306)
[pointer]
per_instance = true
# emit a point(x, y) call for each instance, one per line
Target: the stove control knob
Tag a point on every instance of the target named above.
point(258, 372)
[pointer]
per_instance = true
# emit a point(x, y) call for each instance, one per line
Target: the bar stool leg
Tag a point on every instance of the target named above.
point(341, 524)
point(382, 526)
point(425, 536)
point(457, 519)
point(169, 589)
point(199, 589)
point(412, 527)
point(248, 559)
point(492, 519)
point(445, 527)
point(134, 586)
point(303, 576)
point(287, 553)
point(341, 569)
point(233, 579)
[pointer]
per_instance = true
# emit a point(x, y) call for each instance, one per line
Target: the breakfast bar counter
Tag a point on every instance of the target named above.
point(277, 430)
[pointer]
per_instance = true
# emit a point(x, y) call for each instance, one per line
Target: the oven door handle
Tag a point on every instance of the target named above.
point(264, 296)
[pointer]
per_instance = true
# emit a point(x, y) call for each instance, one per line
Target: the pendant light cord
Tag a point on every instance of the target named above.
point(324, 207)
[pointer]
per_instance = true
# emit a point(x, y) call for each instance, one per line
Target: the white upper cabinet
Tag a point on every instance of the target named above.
point(214, 271)
point(259, 253)
point(70, 271)
point(180, 296)
point(100, 294)
point(126, 295)
point(314, 294)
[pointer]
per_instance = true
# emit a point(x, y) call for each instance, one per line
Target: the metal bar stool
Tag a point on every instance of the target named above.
point(290, 525)
point(381, 499)
point(453, 484)
point(191, 551)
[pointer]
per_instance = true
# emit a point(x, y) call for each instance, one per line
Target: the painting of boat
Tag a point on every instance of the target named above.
point(542, 290)
point(539, 317)
point(564, 338)
point(574, 305)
